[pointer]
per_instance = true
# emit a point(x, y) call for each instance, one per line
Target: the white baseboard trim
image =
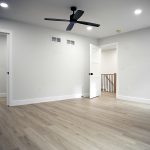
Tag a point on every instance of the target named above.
point(86, 95)
point(133, 99)
point(3, 94)
point(44, 99)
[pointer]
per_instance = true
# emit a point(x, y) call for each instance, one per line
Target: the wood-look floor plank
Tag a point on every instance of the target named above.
point(98, 124)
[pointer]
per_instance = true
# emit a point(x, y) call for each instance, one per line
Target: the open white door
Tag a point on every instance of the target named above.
point(95, 74)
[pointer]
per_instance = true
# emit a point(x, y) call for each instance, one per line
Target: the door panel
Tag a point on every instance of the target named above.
point(95, 74)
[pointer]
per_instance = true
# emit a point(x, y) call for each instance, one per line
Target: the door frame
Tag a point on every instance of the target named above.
point(9, 66)
point(117, 48)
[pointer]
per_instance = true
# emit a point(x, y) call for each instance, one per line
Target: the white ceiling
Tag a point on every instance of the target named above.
point(109, 47)
point(111, 14)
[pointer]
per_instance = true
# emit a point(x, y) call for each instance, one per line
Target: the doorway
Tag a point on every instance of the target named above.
point(109, 67)
point(103, 75)
point(5, 67)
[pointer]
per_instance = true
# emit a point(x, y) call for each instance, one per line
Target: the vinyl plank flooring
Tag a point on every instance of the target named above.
point(99, 124)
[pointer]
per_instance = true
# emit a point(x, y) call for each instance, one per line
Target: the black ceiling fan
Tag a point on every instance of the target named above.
point(74, 19)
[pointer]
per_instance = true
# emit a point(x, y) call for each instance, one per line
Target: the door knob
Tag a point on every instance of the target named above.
point(90, 74)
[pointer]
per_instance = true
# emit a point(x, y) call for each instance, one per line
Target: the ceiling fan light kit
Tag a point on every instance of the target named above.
point(74, 17)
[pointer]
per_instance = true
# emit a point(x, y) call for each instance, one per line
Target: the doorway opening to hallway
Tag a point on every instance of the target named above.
point(109, 65)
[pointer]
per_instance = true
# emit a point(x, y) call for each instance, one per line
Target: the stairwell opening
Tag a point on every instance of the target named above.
point(109, 64)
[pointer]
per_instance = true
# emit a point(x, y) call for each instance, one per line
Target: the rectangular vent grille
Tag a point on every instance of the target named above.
point(70, 42)
point(55, 39)
point(58, 39)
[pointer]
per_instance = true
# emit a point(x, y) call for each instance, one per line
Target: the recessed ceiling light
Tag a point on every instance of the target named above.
point(137, 11)
point(89, 28)
point(4, 5)
point(118, 31)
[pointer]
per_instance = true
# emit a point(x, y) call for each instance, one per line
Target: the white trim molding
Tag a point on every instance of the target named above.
point(44, 99)
point(134, 99)
point(3, 94)
point(86, 95)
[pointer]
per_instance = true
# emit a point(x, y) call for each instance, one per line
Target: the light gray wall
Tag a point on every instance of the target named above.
point(41, 68)
point(109, 61)
point(3, 51)
point(133, 63)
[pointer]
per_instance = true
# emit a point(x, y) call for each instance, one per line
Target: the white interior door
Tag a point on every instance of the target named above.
point(95, 74)
point(8, 68)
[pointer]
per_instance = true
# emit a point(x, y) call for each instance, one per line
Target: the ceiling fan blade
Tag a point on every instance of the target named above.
point(70, 26)
point(78, 14)
point(54, 19)
point(88, 23)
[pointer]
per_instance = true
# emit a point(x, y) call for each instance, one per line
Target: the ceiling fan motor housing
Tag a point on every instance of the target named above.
point(73, 8)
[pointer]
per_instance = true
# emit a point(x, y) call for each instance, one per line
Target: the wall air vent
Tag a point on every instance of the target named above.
point(55, 39)
point(58, 39)
point(70, 42)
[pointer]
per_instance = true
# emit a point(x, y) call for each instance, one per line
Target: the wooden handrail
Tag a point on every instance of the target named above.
point(109, 79)
point(115, 82)
point(108, 82)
